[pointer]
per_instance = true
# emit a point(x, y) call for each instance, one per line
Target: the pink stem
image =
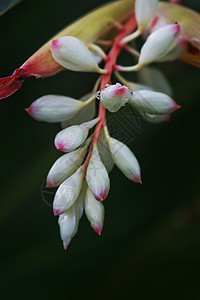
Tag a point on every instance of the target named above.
point(125, 30)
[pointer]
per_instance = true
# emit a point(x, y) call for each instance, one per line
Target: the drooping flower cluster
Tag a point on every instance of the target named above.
point(82, 172)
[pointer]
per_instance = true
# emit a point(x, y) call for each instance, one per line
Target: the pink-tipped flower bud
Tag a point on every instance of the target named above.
point(144, 12)
point(68, 225)
point(94, 211)
point(159, 44)
point(53, 108)
point(124, 159)
point(97, 176)
point(72, 137)
point(153, 102)
point(73, 54)
point(65, 166)
point(69, 221)
point(113, 97)
point(68, 192)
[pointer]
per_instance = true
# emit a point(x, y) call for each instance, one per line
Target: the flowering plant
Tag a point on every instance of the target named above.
point(81, 174)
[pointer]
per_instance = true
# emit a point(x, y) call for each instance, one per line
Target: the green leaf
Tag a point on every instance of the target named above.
point(5, 5)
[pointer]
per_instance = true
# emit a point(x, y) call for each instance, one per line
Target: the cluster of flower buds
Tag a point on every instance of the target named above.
point(81, 173)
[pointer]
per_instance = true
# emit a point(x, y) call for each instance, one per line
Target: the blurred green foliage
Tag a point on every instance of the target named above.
point(149, 248)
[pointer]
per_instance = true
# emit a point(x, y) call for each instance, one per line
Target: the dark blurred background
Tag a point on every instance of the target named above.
point(150, 245)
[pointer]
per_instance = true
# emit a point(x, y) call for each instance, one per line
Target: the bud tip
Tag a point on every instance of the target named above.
point(176, 106)
point(137, 179)
point(57, 211)
point(65, 245)
point(120, 91)
point(60, 147)
point(101, 196)
point(54, 43)
point(176, 27)
point(29, 110)
point(97, 228)
point(48, 184)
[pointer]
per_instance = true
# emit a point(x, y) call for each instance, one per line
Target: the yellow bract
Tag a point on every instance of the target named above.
point(190, 29)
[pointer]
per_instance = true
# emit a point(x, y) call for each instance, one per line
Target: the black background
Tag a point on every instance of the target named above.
point(149, 248)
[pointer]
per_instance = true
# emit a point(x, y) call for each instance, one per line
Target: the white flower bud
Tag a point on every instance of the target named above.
point(72, 54)
point(85, 114)
point(155, 79)
point(94, 211)
point(159, 44)
point(68, 192)
point(153, 102)
point(53, 108)
point(104, 152)
point(65, 166)
point(144, 12)
point(97, 176)
point(68, 225)
point(124, 159)
point(72, 137)
point(115, 96)
point(69, 221)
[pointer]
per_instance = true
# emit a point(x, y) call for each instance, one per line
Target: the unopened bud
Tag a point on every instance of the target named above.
point(68, 224)
point(72, 137)
point(72, 54)
point(124, 159)
point(68, 192)
point(52, 108)
point(65, 166)
point(97, 176)
point(153, 102)
point(69, 221)
point(113, 97)
point(159, 44)
point(144, 12)
point(94, 211)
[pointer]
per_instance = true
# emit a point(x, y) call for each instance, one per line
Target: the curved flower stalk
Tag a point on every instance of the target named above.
point(81, 174)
